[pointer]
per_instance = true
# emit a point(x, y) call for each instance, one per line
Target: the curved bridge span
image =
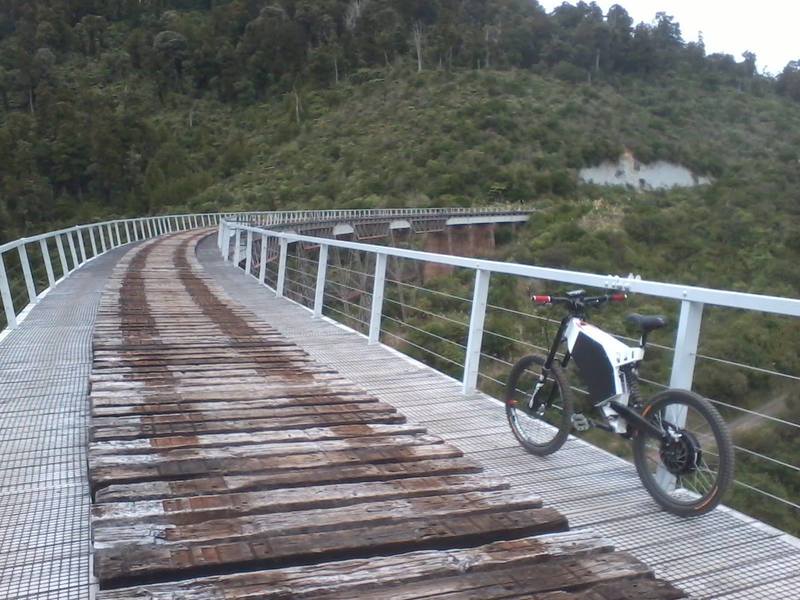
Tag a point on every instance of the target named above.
point(238, 448)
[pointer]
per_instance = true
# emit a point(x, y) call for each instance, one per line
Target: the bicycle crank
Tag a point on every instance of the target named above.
point(580, 422)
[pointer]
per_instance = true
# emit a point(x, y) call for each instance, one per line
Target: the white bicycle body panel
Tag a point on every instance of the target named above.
point(600, 357)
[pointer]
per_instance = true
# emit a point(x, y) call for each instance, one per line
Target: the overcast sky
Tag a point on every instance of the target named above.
point(770, 28)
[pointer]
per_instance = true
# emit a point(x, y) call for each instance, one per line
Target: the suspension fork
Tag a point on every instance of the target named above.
point(548, 363)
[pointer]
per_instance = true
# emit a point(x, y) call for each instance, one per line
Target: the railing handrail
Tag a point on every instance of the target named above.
point(77, 251)
point(672, 291)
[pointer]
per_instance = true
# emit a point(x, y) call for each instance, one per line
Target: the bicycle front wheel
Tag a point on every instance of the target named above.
point(538, 405)
point(689, 470)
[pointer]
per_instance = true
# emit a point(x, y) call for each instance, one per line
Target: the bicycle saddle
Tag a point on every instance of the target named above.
point(647, 323)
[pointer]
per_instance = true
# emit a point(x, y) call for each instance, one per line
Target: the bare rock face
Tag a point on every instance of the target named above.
point(628, 171)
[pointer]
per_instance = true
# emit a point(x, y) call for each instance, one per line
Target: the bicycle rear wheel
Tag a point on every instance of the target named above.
point(690, 472)
point(540, 416)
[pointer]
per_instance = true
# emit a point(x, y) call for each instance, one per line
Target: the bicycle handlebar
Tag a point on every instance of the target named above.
point(580, 301)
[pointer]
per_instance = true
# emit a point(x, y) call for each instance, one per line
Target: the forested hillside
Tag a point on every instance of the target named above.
point(134, 106)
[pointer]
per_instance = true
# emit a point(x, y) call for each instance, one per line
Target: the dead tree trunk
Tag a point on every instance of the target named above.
point(417, 31)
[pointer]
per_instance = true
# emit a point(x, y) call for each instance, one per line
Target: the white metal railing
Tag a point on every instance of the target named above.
point(58, 253)
point(45, 260)
point(692, 302)
point(692, 298)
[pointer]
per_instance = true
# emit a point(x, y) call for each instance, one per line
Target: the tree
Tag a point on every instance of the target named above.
point(789, 80)
point(91, 30)
point(170, 51)
point(620, 29)
point(418, 35)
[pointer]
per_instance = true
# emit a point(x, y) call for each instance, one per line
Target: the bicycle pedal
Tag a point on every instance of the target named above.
point(580, 422)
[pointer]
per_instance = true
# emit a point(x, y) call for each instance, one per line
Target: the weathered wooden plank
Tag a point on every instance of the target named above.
point(199, 373)
point(268, 545)
point(261, 359)
point(353, 578)
point(142, 427)
point(182, 511)
point(253, 481)
point(214, 374)
point(261, 413)
point(169, 455)
point(136, 398)
point(324, 397)
point(370, 578)
point(144, 446)
point(245, 463)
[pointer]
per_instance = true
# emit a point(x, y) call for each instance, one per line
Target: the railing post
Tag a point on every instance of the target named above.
point(376, 313)
point(237, 251)
point(686, 342)
point(81, 245)
point(119, 237)
point(63, 257)
point(282, 267)
point(127, 232)
point(262, 266)
point(248, 261)
point(73, 253)
point(220, 231)
point(102, 237)
point(319, 289)
point(226, 241)
point(472, 359)
point(26, 271)
point(91, 239)
point(48, 264)
point(684, 357)
point(5, 294)
point(110, 233)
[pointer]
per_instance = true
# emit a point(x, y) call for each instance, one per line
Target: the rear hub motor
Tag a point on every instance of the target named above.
point(681, 454)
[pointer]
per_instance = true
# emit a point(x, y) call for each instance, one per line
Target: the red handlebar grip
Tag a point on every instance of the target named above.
point(541, 299)
point(618, 297)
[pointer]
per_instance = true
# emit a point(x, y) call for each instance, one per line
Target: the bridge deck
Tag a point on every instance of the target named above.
point(44, 497)
point(222, 457)
point(721, 555)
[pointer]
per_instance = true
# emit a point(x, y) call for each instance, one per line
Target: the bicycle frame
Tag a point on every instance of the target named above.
point(601, 359)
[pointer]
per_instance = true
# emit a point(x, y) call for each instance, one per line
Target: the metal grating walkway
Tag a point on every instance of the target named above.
point(44, 499)
point(722, 555)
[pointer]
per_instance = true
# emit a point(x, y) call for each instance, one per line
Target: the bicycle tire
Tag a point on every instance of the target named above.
point(552, 433)
point(713, 468)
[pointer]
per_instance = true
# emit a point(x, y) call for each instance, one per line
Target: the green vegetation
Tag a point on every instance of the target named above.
point(129, 107)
